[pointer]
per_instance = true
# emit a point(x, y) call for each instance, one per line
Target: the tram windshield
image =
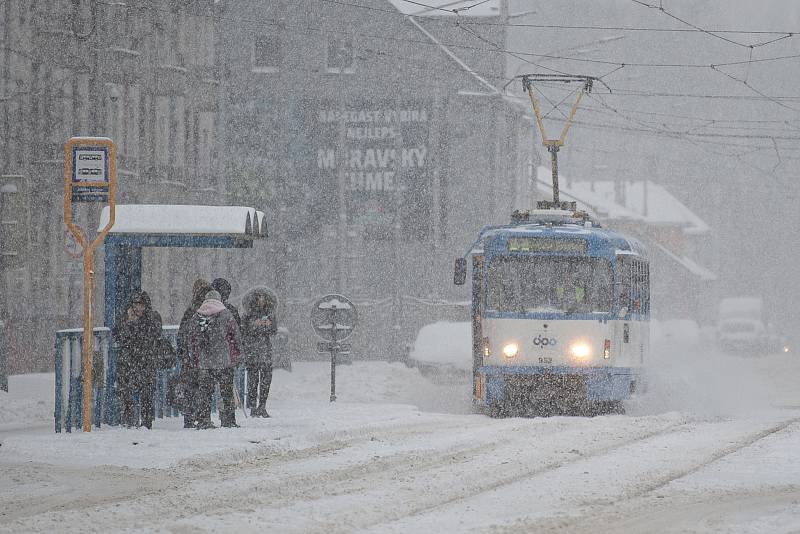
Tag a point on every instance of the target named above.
point(550, 284)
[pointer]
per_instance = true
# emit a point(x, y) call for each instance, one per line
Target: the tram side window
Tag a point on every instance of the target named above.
point(641, 302)
point(625, 288)
point(634, 285)
point(645, 287)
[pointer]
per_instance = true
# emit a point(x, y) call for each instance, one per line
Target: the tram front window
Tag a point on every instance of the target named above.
point(550, 284)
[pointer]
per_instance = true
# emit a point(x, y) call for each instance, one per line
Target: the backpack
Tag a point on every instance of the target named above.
point(205, 325)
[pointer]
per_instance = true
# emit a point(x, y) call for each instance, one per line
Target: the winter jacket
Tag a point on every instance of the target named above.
point(235, 312)
point(182, 337)
point(214, 341)
point(137, 342)
point(201, 287)
point(256, 338)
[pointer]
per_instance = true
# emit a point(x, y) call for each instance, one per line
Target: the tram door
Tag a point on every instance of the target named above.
point(478, 306)
point(632, 332)
point(622, 327)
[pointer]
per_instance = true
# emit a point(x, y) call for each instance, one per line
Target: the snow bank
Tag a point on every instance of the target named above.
point(370, 395)
point(686, 373)
point(29, 401)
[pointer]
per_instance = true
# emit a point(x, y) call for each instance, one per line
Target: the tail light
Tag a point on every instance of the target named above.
point(479, 388)
point(606, 349)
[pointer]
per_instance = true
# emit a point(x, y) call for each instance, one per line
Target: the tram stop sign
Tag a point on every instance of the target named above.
point(333, 318)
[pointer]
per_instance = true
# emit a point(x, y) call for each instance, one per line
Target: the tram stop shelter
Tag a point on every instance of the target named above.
point(143, 225)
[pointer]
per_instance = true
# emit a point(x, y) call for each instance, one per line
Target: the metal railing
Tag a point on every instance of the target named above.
point(3, 359)
point(69, 377)
point(68, 412)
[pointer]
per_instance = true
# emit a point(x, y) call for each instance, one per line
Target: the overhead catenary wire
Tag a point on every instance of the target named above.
point(308, 30)
point(618, 63)
point(671, 15)
point(762, 95)
point(619, 92)
point(619, 66)
point(480, 22)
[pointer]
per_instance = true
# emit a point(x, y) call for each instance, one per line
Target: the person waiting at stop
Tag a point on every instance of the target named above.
point(137, 335)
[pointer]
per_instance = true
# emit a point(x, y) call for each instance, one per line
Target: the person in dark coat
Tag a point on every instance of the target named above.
point(215, 351)
point(189, 374)
point(137, 333)
point(258, 325)
point(223, 287)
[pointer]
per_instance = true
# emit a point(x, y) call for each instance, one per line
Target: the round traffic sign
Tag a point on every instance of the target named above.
point(333, 317)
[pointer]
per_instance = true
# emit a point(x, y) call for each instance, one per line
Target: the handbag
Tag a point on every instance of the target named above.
point(178, 394)
point(165, 354)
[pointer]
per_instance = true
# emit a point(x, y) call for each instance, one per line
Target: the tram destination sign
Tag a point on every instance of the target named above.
point(547, 244)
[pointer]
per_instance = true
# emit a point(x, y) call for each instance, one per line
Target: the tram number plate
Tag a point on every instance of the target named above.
point(546, 360)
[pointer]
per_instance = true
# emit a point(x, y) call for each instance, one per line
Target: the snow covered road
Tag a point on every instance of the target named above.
point(374, 462)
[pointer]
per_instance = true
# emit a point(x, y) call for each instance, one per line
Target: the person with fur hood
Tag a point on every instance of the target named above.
point(258, 325)
point(214, 350)
point(137, 334)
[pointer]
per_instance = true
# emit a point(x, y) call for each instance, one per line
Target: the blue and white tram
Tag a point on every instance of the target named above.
point(560, 315)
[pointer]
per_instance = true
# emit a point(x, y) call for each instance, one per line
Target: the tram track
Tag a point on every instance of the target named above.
point(371, 467)
point(279, 480)
point(402, 473)
point(715, 457)
point(643, 496)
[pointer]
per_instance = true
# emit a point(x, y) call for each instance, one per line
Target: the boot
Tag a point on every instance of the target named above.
point(229, 422)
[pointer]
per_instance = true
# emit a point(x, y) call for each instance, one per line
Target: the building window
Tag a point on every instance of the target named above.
point(340, 55)
point(266, 54)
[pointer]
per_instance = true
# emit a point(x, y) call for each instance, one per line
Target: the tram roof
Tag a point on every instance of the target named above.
point(620, 244)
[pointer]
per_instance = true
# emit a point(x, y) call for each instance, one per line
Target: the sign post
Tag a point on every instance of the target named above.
point(333, 318)
point(90, 172)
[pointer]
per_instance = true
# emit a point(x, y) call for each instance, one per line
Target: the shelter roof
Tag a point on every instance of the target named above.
point(181, 219)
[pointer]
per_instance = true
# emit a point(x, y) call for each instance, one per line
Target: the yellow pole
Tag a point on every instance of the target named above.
point(88, 256)
point(537, 113)
point(553, 145)
point(88, 286)
point(571, 117)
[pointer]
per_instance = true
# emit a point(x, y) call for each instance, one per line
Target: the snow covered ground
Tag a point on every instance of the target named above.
point(712, 447)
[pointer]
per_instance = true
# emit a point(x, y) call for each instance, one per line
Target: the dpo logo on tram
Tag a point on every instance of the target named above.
point(540, 341)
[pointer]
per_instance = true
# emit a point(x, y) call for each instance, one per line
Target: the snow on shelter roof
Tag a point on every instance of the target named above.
point(185, 219)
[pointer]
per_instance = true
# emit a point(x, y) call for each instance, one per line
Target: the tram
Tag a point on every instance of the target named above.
point(560, 315)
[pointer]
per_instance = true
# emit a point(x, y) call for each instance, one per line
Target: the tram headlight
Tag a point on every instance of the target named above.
point(580, 350)
point(510, 350)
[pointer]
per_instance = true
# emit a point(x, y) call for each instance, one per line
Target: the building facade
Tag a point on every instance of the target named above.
point(141, 72)
point(379, 144)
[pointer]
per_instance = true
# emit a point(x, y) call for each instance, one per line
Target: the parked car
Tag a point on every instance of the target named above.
point(741, 327)
point(443, 351)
